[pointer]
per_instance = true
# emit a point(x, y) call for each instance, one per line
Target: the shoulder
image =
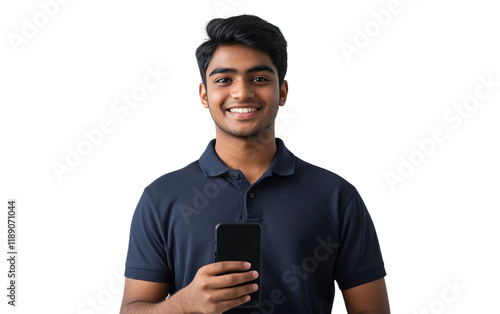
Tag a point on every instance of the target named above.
point(323, 182)
point(175, 180)
point(321, 175)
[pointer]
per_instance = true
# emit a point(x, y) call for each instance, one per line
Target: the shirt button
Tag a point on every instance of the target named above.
point(236, 176)
point(252, 195)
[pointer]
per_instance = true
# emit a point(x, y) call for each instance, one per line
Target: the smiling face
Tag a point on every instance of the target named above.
point(242, 91)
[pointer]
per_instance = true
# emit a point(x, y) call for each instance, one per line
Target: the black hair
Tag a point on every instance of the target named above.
point(249, 30)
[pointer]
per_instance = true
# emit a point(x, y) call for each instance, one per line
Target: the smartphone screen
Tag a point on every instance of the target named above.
point(241, 242)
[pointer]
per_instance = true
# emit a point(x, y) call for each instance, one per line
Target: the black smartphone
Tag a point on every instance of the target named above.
point(241, 242)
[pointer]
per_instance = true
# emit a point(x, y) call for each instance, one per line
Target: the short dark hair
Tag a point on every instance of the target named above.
point(245, 29)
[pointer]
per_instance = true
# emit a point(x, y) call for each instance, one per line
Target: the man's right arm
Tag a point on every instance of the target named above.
point(143, 296)
point(209, 292)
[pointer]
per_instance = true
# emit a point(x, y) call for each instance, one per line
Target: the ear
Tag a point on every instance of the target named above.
point(203, 95)
point(283, 93)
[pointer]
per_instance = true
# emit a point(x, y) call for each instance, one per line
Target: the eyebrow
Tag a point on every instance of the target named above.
point(256, 68)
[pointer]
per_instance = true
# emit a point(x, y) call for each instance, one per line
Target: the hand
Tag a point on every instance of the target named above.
point(211, 292)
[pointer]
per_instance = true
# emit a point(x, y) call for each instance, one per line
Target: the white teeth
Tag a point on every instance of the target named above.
point(242, 110)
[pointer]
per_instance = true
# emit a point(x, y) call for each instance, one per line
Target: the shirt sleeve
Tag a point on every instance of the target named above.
point(359, 258)
point(146, 257)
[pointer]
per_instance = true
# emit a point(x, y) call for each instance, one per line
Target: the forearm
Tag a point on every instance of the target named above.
point(144, 307)
point(209, 292)
point(174, 305)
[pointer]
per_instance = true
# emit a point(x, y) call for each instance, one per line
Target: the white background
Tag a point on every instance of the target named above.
point(438, 226)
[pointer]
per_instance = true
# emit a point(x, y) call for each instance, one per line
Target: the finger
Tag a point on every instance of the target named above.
point(233, 279)
point(223, 267)
point(229, 304)
point(235, 292)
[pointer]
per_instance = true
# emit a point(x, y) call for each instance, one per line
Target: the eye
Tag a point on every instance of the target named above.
point(222, 80)
point(260, 79)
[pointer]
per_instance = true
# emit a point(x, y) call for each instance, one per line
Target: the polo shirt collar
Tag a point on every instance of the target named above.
point(283, 163)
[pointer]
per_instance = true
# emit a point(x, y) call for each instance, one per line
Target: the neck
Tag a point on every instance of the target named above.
point(251, 155)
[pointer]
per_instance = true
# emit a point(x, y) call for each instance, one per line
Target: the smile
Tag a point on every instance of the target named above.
point(242, 110)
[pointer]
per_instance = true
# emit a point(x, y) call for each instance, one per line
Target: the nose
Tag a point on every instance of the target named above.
point(241, 90)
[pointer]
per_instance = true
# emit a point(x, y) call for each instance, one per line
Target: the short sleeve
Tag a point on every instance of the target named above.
point(146, 257)
point(359, 258)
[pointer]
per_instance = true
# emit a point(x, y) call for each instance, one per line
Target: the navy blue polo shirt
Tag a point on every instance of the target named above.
point(315, 229)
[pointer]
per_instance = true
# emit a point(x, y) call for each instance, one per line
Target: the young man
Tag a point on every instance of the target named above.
point(315, 227)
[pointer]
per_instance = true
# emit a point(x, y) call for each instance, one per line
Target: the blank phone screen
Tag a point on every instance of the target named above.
point(241, 242)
